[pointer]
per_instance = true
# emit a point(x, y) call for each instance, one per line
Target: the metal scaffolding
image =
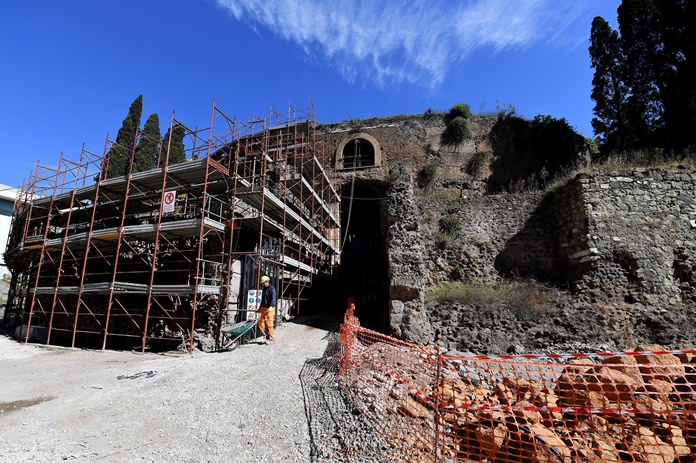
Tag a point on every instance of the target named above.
point(168, 257)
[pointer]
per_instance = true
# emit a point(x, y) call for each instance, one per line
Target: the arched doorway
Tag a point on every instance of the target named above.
point(364, 271)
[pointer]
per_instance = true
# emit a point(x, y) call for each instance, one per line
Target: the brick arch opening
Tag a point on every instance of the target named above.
point(358, 151)
point(364, 265)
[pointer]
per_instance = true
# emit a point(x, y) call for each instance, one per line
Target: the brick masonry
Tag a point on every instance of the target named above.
point(621, 237)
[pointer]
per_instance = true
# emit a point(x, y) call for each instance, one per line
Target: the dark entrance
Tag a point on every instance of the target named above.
point(364, 272)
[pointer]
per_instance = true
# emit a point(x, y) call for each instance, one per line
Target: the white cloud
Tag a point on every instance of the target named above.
point(415, 41)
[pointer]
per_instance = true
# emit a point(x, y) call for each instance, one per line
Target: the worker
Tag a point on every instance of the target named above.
point(269, 300)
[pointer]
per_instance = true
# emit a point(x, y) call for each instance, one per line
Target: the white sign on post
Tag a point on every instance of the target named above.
point(168, 204)
point(253, 302)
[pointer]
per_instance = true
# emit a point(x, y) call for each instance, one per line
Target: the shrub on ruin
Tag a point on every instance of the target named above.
point(428, 173)
point(457, 124)
point(457, 130)
point(458, 110)
point(477, 163)
point(443, 240)
point(449, 225)
point(391, 177)
point(458, 273)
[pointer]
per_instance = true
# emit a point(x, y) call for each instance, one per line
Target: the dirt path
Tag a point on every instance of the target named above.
point(78, 405)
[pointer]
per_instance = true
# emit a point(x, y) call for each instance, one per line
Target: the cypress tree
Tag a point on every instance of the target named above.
point(677, 19)
point(146, 152)
point(118, 156)
point(645, 71)
point(176, 148)
point(608, 87)
point(644, 85)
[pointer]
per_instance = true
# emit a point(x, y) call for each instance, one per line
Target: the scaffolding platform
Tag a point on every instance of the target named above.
point(106, 261)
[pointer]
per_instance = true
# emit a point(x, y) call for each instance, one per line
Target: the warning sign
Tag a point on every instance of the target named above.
point(253, 301)
point(168, 205)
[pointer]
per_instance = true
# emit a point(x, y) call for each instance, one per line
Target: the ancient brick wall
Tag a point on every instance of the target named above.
point(614, 239)
point(639, 241)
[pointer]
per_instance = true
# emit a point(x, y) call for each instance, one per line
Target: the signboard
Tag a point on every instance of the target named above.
point(253, 302)
point(168, 204)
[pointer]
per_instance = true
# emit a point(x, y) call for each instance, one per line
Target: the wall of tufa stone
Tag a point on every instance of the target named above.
point(621, 238)
point(633, 237)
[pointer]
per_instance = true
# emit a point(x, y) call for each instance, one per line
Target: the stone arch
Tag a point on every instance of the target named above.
point(358, 151)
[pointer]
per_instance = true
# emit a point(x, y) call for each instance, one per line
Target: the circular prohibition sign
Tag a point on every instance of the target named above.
point(169, 198)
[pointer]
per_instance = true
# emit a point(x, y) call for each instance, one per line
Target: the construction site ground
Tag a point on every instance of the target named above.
point(245, 405)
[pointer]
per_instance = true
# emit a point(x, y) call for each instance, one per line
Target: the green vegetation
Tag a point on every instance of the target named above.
point(448, 231)
point(443, 240)
point(392, 177)
point(145, 156)
point(458, 273)
point(530, 153)
point(119, 155)
point(477, 163)
point(528, 299)
point(644, 84)
point(449, 225)
point(173, 141)
point(428, 173)
point(457, 124)
point(458, 129)
point(458, 110)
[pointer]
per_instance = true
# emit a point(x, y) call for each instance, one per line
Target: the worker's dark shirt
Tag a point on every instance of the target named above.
point(269, 297)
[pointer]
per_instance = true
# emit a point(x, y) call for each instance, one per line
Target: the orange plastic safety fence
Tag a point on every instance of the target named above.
point(631, 406)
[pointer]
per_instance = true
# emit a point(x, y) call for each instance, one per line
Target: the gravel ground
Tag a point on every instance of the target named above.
point(258, 403)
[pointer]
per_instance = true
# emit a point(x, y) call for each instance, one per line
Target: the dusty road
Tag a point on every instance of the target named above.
point(77, 405)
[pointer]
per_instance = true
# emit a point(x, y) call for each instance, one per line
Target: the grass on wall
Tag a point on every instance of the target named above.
point(528, 299)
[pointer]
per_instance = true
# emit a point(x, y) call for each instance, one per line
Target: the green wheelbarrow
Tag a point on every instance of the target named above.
point(231, 335)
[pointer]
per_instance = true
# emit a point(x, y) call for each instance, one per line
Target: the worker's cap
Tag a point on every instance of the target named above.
point(265, 278)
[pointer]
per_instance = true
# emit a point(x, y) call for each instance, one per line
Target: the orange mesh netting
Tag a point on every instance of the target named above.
point(605, 407)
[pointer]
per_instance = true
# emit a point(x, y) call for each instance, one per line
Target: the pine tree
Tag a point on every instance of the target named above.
point(176, 148)
point(118, 156)
point(145, 155)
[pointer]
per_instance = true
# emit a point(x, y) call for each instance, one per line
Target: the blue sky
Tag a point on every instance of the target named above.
point(71, 68)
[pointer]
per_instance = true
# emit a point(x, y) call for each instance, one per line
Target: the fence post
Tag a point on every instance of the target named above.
point(347, 334)
point(436, 401)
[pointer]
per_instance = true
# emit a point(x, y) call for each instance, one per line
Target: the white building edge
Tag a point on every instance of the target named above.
point(8, 196)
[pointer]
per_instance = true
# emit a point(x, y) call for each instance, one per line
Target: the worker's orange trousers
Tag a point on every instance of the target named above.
point(266, 315)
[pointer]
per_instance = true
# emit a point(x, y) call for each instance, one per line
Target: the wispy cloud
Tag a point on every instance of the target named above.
point(417, 41)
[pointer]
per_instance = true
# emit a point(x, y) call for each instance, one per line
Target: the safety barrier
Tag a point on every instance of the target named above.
point(605, 407)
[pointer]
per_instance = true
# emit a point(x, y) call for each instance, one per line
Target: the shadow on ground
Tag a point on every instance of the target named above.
point(337, 431)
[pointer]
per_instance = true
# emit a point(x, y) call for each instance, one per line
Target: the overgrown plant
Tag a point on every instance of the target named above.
point(457, 124)
point(449, 225)
point(442, 240)
point(448, 231)
point(458, 110)
point(392, 177)
point(477, 163)
point(527, 299)
point(428, 173)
